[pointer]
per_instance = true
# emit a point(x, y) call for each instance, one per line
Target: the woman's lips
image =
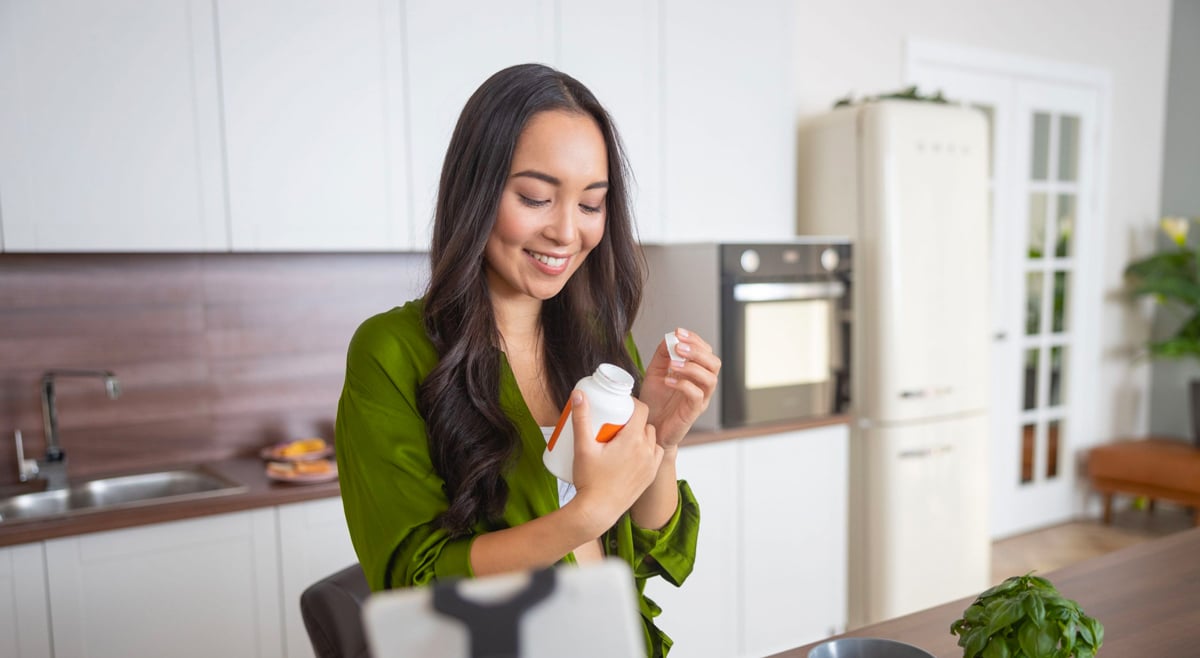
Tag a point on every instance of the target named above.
point(552, 265)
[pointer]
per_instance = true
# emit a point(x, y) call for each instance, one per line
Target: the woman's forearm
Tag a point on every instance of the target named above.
point(537, 543)
point(657, 504)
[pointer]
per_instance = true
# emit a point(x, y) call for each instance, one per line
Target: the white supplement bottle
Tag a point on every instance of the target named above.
point(609, 393)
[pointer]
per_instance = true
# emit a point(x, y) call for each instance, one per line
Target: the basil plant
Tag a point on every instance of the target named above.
point(1026, 617)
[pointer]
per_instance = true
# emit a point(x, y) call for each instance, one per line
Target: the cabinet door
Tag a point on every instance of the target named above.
point(314, 124)
point(24, 618)
point(702, 615)
point(201, 587)
point(728, 143)
point(313, 543)
point(795, 488)
point(109, 127)
point(452, 48)
point(627, 82)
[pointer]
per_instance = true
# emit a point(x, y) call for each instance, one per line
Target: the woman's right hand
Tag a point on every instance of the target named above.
point(609, 477)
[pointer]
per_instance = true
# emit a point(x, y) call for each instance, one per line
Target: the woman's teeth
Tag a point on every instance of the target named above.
point(549, 261)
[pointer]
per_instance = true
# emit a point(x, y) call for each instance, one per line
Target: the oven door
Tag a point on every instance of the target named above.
point(784, 352)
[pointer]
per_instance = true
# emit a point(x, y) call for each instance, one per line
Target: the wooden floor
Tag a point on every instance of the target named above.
point(1058, 546)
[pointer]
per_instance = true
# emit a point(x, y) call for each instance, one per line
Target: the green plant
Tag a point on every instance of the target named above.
point(1172, 276)
point(1026, 617)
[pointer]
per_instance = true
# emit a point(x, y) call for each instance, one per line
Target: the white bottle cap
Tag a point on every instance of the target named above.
point(672, 341)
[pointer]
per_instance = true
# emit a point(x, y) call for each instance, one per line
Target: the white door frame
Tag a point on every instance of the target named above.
point(925, 60)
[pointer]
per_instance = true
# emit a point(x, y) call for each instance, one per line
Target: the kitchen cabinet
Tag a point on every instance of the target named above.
point(452, 47)
point(627, 81)
point(24, 614)
point(110, 128)
point(728, 140)
point(199, 587)
point(770, 568)
point(313, 543)
point(794, 524)
point(314, 125)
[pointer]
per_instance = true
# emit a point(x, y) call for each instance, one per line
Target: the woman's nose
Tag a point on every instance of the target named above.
point(562, 227)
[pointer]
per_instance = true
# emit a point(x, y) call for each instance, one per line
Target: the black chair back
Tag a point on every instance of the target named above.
point(332, 612)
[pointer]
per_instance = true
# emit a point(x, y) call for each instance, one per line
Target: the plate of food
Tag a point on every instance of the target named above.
point(318, 470)
point(301, 450)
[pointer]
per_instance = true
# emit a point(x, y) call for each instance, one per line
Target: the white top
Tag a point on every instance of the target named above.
point(566, 490)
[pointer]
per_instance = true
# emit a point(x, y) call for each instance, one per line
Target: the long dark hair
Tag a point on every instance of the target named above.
point(471, 440)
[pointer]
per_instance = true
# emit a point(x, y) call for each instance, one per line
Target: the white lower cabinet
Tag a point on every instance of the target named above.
point(770, 567)
point(24, 614)
point(314, 542)
point(200, 587)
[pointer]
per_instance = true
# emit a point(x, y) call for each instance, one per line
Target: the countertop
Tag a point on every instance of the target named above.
point(259, 492)
point(1147, 596)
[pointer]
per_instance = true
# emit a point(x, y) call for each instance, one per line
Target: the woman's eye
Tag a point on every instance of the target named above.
point(533, 203)
point(591, 210)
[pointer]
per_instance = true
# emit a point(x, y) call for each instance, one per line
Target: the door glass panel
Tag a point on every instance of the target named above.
point(1058, 368)
point(1028, 432)
point(1041, 146)
point(1031, 378)
point(1068, 147)
point(1033, 303)
point(1052, 448)
point(1037, 225)
point(1061, 290)
point(1065, 214)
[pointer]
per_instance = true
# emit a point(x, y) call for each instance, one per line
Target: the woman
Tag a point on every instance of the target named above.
point(448, 400)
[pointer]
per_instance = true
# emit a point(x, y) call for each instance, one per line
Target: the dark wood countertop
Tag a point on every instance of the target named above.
point(262, 492)
point(1147, 596)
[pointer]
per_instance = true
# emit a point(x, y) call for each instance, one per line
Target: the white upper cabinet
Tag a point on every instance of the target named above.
point(314, 125)
point(627, 81)
point(452, 47)
point(109, 127)
point(728, 142)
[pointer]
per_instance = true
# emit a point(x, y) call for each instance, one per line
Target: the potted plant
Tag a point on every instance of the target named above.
point(1172, 276)
point(1026, 617)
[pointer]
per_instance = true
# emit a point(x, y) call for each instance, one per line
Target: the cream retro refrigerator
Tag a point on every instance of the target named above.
point(908, 182)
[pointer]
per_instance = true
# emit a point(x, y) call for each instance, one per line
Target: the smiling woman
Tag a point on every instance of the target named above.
point(535, 281)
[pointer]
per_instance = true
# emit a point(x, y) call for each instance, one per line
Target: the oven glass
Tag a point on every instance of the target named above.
point(787, 343)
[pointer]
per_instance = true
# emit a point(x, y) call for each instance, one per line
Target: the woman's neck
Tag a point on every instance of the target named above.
point(518, 322)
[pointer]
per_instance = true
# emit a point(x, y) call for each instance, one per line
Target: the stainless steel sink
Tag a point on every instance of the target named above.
point(116, 492)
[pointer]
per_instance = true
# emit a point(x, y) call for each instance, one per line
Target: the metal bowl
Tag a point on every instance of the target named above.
point(866, 647)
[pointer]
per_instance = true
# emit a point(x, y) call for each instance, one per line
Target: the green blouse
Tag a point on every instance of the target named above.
point(392, 495)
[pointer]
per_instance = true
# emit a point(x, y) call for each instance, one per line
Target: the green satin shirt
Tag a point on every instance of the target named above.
point(392, 495)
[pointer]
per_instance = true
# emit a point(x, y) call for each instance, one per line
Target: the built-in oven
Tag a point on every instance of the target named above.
point(778, 314)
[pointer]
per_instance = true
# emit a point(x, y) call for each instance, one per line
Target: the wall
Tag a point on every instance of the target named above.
point(217, 354)
point(1180, 196)
point(858, 47)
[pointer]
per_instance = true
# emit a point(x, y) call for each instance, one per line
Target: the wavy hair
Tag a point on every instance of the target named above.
point(471, 439)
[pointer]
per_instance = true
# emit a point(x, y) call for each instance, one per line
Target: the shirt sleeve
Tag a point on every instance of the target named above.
point(670, 551)
point(390, 490)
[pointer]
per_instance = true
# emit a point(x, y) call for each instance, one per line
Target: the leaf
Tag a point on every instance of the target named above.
point(976, 640)
point(975, 614)
point(1035, 609)
point(1096, 628)
point(1027, 639)
point(1004, 612)
point(1042, 583)
point(1008, 584)
point(1068, 635)
point(997, 648)
point(1086, 634)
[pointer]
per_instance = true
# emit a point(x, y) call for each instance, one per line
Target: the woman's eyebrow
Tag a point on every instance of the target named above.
point(532, 173)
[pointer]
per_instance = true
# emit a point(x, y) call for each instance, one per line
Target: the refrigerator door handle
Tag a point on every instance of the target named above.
point(921, 453)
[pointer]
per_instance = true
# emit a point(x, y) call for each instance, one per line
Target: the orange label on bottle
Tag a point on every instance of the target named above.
point(562, 420)
point(607, 432)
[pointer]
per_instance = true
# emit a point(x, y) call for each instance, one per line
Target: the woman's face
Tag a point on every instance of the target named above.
point(552, 208)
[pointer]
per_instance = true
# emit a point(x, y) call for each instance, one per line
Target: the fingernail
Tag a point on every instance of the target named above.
point(683, 348)
point(683, 333)
point(577, 397)
point(678, 364)
point(672, 381)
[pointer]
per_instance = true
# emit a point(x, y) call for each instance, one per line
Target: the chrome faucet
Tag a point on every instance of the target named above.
point(53, 468)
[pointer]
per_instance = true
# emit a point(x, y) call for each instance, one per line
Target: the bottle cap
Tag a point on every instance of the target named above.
point(672, 341)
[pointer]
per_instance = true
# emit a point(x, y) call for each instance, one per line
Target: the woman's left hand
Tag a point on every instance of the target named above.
point(677, 392)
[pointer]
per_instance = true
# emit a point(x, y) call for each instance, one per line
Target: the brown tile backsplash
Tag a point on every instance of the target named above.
point(218, 354)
